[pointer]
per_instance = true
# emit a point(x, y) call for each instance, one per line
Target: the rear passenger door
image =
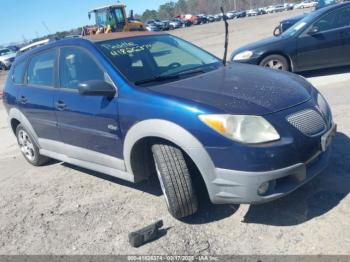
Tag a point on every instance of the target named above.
point(88, 124)
point(35, 96)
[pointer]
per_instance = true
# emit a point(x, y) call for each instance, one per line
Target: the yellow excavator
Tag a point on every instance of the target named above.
point(112, 18)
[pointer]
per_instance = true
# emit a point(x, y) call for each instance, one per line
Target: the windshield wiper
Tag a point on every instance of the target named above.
point(191, 72)
point(162, 78)
point(156, 79)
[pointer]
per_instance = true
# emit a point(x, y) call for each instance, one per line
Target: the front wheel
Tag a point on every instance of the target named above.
point(277, 62)
point(175, 180)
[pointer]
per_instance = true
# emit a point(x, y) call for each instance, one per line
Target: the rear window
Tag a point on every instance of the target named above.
point(41, 69)
point(18, 72)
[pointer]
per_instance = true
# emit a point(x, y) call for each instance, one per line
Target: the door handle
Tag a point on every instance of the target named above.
point(23, 100)
point(60, 105)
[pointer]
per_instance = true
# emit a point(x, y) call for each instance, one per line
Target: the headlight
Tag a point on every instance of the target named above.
point(324, 107)
point(243, 55)
point(242, 128)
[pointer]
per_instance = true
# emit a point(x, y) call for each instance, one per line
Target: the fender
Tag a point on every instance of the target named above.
point(15, 113)
point(176, 134)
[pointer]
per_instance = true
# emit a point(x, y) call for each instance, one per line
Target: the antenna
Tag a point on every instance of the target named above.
point(226, 35)
point(48, 30)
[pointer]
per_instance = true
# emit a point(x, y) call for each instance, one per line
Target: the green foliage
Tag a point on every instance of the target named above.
point(149, 14)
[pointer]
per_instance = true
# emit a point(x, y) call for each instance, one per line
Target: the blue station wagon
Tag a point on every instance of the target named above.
point(132, 105)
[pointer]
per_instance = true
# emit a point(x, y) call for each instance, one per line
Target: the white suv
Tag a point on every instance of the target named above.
point(7, 56)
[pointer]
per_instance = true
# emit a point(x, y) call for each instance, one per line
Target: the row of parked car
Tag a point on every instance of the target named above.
point(181, 21)
point(189, 19)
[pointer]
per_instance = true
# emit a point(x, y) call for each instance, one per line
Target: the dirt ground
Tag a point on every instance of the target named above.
point(62, 209)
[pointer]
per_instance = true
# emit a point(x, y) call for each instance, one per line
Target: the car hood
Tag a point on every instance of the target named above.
point(240, 89)
point(259, 44)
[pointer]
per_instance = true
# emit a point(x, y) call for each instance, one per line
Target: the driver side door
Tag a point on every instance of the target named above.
point(326, 46)
point(89, 125)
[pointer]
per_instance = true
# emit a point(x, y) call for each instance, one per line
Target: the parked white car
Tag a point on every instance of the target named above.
point(252, 12)
point(7, 56)
point(275, 8)
point(305, 4)
point(231, 14)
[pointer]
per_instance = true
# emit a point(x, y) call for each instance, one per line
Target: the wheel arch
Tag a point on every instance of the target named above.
point(16, 117)
point(149, 131)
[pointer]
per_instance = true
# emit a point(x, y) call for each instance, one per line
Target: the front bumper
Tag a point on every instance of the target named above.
point(239, 187)
point(7, 63)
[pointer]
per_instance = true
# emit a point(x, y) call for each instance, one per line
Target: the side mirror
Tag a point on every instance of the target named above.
point(89, 15)
point(314, 30)
point(277, 31)
point(97, 88)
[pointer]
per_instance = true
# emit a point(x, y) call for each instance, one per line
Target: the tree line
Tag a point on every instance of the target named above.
point(175, 8)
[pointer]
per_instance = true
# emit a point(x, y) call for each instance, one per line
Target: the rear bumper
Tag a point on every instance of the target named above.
point(238, 187)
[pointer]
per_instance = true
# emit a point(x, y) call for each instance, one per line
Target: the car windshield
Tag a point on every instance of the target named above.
point(299, 26)
point(5, 51)
point(152, 59)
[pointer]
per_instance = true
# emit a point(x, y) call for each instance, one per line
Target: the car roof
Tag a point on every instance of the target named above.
point(118, 35)
point(41, 42)
point(91, 38)
point(107, 6)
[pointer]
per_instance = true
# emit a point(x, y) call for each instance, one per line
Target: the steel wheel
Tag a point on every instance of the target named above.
point(276, 62)
point(26, 145)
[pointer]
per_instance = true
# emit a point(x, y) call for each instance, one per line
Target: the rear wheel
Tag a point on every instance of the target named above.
point(277, 62)
point(29, 149)
point(175, 180)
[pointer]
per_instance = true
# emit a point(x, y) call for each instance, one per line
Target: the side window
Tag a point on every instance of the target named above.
point(119, 15)
point(337, 19)
point(41, 69)
point(18, 72)
point(77, 66)
point(101, 18)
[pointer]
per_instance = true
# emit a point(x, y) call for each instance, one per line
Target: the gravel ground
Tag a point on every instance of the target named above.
point(62, 209)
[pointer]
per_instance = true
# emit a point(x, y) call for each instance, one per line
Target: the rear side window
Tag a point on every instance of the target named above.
point(18, 73)
point(41, 69)
point(76, 67)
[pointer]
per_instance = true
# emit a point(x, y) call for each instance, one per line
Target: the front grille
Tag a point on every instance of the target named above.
point(308, 121)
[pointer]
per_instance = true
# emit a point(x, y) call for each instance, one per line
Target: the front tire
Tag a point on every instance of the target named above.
point(277, 62)
point(29, 149)
point(175, 180)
